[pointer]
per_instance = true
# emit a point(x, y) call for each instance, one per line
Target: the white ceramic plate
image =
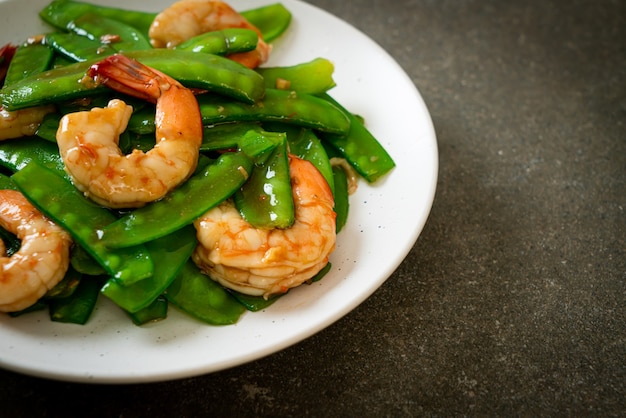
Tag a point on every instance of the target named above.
point(384, 223)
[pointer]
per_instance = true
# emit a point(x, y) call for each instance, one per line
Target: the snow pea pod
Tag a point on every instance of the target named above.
point(169, 254)
point(305, 144)
point(222, 42)
point(16, 154)
point(360, 148)
point(201, 192)
point(199, 296)
point(29, 59)
point(312, 77)
point(272, 20)
point(61, 13)
point(76, 308)
point(277, 106)
point(203, 71)
point(342, 202)
point(119, 35)
point(58, 199)
point(156, 311)
point(225, 136)
point(77, 48)
point(266, 200)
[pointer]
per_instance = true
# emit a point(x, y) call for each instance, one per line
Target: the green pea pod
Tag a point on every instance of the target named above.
point(313, 77)
point(61, 13)
point(203, 71)
point(6, 183)
point(77, 48)
point(180, 207)
point(360, 148)
point(156, 311)
point(254, 303)
point(272, 20)
point(122, 37)
point(225, 136)
point(48, 127)
point(67, 286)
point(84, 263)
point(58, 199)
point(16, 154)
point(266, 200)
point(169, 254)
point(202, 298)
point(277, 106)
point(342, 197)
point(76, 308)
point(306, 145)
point(222, 42)
point(29, 60)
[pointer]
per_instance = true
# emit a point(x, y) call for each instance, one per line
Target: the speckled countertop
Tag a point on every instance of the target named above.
point(513, 300)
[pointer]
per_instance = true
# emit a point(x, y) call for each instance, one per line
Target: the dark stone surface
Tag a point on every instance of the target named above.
point(512, 302)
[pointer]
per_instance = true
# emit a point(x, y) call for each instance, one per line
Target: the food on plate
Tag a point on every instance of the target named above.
point(239, 200)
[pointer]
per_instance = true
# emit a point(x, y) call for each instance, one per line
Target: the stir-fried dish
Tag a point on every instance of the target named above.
point(155, 159)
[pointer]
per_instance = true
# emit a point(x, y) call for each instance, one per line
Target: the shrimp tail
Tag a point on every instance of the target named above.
point(128, 76)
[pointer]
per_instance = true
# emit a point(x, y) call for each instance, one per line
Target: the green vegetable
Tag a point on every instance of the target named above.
point(61, 13)
point(342, 197)
point(169, 254)
point(76, 308)
point(222, 42)
point(29, 60)
point(313, 77)
point(156, 311)
point(199, 296)
point(272, 20)
point(77, 48)
point(277, 106)
point(304, 144)
point(266, 200)
point(67, 286)
point(17, 153)
point(121, 36)
point(58, 199)
point(360, 148)
point(226, 136)
point(204, 71)
point(180, 207)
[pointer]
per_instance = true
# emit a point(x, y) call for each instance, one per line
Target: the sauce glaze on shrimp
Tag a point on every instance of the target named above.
point(270, 261)
point(188, 18)
point(41, 261)
point(88, 140)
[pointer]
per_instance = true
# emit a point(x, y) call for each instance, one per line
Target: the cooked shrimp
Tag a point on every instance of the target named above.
point(270, 261)
point(23, 122)
point(41, 261)
point(188, 18)
point(88, 140)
